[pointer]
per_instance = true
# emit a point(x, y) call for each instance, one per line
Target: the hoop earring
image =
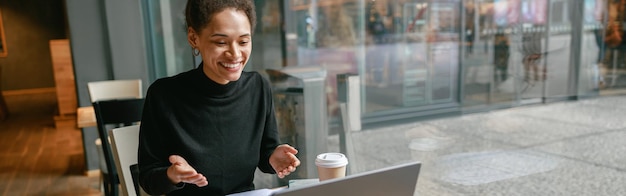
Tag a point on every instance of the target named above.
point(196, 52)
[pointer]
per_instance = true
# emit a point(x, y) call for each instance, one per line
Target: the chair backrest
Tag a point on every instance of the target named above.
point(125, 142)
point(115, 112)
point(114, 89)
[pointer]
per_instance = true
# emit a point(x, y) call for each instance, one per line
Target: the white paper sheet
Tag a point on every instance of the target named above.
point(258, 192)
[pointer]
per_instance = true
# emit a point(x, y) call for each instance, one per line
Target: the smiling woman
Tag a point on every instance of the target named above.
point(3, 43)
point(205, 131)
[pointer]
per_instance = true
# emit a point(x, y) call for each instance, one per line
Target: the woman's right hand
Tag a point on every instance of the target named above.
point(181, 171)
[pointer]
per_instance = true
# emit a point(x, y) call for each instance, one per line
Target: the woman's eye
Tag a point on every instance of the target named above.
point(220, 43)
point(243, 42)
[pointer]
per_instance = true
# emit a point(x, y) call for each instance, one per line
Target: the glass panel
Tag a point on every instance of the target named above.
point(412, 53)
point(391, 63)
point(592, 47)
point(525, 27)
point(406, 52)
point(445, 16)
point(558, 50)
point(490, 68)
point(169, 52)
point(324, 33)
point(267, 42)
point(525, 53)
point(501, 36)
point(613, 62)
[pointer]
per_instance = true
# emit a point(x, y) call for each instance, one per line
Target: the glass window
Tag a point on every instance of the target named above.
point(406, 52)
point(168, 51)
point(592, 42)
point(422, 55)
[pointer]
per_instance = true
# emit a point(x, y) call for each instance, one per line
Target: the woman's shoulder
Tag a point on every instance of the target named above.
point(169, 82)
point(163, 82)
point(159, 86)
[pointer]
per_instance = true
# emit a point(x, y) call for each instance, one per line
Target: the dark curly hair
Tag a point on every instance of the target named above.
point(198, 13)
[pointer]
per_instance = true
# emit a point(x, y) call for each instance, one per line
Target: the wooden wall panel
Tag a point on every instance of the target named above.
point(63, 76)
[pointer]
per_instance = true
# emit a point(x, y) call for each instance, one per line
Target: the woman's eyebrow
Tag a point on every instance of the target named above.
point(224, 35)
point(219, 35)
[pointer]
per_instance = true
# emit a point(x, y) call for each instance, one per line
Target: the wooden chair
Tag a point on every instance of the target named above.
point(124, 143)
point(110, 90)
point(119, 112)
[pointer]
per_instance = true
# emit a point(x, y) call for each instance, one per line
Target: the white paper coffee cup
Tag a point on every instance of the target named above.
point(331, 165)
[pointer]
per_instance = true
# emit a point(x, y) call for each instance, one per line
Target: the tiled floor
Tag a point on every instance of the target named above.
point(564, 148)
point(37, 158)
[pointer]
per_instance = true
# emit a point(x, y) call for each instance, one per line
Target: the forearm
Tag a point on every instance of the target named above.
point(270, 140)
point(268, 144)
point(264, 161)
point(155, 181)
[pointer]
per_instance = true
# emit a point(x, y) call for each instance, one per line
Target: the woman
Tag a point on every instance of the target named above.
point(205, 131)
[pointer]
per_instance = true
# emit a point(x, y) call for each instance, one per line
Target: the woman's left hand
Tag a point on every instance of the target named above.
point(284, 160)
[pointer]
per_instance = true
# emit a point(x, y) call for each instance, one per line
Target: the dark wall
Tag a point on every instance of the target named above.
point(91, 56)
point(107, 40)
point(29, 25)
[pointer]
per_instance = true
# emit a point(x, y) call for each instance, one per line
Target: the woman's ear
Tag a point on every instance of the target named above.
point(192, 37)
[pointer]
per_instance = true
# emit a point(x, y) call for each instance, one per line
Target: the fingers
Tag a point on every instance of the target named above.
point(286, 171)
point(295, 161)
point(181, 171)
point(175, 159)
point(180, 166)
point(197, 179)
point(282, 174)
point(284, 160)
point(203, 183)
point(184, 171)
point(288, 149)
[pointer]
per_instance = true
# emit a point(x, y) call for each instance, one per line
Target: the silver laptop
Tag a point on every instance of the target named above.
point(398, 180)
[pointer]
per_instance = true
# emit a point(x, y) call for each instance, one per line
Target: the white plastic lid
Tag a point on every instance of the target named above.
point(331, 160)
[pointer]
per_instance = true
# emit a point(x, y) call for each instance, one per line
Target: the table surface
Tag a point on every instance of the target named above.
point(85, 117)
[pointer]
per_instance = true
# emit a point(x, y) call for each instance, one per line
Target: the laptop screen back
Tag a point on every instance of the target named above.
point(397, 180)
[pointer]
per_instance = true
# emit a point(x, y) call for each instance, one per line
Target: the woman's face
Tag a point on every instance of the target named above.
point(225, 45)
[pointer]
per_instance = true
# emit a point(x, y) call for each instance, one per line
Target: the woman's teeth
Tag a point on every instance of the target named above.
point(228, 65)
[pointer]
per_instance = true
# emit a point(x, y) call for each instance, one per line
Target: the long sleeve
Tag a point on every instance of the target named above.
point(153, 171)
point(270, 133)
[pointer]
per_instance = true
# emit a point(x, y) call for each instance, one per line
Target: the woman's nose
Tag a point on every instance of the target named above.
point(234, 51)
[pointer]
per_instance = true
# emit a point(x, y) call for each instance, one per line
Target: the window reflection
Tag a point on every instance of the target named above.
point(426, 55)
point(408, 53)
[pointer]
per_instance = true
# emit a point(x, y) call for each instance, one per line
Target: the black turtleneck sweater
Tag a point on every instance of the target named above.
point(223, 131)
